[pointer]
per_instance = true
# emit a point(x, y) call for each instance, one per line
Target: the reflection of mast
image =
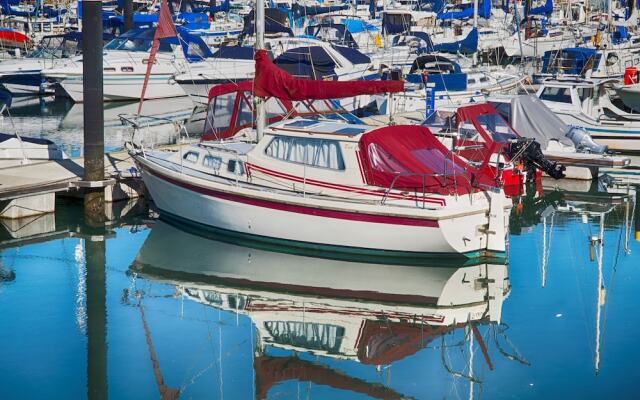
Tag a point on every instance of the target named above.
point(601, 292)
point(269, 371)
point(166, 393)
point(546, 244)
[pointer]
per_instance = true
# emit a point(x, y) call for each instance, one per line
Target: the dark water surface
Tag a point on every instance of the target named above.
point(146, 309)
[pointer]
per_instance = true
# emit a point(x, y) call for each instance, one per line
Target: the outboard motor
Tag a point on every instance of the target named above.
point(583, 141)
point(528, 151)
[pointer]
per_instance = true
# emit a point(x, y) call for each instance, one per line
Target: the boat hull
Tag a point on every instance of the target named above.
point(350, 233)
point(630, 96)
point(125, 87)
point(616, 135)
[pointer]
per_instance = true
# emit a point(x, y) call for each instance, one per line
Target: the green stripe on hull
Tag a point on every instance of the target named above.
point(335, 252)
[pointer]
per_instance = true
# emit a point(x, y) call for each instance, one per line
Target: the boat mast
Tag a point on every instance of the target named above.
point(259, 101)
point(475, 26)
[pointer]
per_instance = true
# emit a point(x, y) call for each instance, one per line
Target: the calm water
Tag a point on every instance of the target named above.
point(144, 308)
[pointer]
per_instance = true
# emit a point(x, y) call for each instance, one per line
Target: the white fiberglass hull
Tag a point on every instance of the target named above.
point(618, 135)
point(125, 87)
point(297, 222)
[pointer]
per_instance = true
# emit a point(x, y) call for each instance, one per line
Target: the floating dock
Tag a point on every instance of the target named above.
point(30, 189)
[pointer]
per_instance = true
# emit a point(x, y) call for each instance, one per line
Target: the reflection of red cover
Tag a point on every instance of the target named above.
point(383, 342)
point(269, 371)
point(271, 81)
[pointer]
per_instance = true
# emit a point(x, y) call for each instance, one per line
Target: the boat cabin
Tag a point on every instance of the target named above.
point(326, 156)
point(579, 96)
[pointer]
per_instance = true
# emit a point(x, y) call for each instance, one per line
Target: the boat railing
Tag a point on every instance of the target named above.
point(424, 177)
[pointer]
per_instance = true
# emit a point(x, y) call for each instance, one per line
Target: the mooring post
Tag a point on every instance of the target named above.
point(93, 110)
point(128, 15)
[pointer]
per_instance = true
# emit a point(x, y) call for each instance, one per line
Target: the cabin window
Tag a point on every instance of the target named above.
point(321, 153)
point(471, 81)
point(126, 69)
point(499, 130)
point(235, 167)
point(484, 79)
point(191, 156)
point(556, 94)
point(585, 93)
point(212, 162)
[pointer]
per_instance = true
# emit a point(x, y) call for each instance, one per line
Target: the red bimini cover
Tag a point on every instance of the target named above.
point(225, 88)
point(410, 157)
point(271, 81)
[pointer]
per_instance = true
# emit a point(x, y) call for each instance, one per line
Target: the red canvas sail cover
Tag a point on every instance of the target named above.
point(408, 157)
point(271, 81)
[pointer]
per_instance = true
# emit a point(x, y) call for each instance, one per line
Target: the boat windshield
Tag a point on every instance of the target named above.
point(499, 130)
point(55, 47)
point(137, 44)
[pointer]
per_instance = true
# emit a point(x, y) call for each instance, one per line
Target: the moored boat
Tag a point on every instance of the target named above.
point(391, 192)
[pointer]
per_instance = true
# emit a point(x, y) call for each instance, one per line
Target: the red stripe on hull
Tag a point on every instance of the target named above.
point(344, 188)
point(318, 212)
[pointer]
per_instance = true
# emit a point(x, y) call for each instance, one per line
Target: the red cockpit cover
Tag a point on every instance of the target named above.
point(468, 113)
point(271, 81)
point(408, 157)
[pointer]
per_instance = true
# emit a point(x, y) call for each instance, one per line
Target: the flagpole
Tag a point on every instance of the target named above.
point(259, 101)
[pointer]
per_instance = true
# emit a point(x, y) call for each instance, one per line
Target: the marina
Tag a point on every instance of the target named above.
point(322, 199)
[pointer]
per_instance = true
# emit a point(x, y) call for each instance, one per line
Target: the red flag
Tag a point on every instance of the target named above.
point(165, 29)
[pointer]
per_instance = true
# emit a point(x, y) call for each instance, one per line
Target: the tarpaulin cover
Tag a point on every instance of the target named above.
point(468, 45)
point(433, 61)
point(355, 25)
point(352, 55)
point(273, 81)
point(465, 11)
point(275, 21)
point(569, 61)
point(234, 52)
point(407, 157)
point(224, 7)
point(304, 11)
point(311, 62)
point(545, 9)
point(435, 6)
point(332, 33)
point(532, 119)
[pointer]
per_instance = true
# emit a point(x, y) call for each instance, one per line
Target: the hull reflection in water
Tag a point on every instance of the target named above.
point(370, 313)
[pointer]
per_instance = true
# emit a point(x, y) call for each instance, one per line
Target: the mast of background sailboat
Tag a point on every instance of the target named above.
point(259, 101)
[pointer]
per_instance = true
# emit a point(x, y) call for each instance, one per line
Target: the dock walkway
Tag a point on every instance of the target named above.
point(56, 176)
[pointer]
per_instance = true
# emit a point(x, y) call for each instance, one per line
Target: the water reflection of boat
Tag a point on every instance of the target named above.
point(598, 212)
point(326, 307)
